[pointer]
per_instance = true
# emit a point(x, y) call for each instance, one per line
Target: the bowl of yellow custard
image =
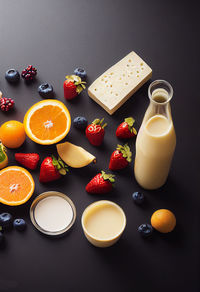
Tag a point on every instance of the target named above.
point(103, 223)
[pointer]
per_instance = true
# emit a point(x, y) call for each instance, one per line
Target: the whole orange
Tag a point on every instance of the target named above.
point(12, 134)
point(163, 220)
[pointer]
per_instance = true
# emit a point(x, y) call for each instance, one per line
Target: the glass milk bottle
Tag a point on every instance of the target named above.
point(156, 140)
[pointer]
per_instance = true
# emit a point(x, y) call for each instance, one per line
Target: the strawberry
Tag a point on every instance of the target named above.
point(29, 160)
point(73, 85)
point(52, 169)
point(120, 158)
point(95, 132)
point(126, 130)
point(100, 184)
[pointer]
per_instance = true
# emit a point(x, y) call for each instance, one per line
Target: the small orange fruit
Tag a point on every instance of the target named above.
point(12, 134)
point(163, 220)
point(17, 185)
point(47, 122)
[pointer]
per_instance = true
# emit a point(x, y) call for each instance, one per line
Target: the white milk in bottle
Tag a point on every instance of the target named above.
point(156, 140)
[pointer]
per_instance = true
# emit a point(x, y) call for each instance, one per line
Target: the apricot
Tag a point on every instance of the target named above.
point(163, 220)
point(12, 134)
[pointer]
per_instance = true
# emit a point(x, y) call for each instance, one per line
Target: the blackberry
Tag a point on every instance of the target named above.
point(29, 73)
point(6, 104)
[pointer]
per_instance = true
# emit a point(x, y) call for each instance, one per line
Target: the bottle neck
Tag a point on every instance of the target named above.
point(160, 103)
point(160, 93)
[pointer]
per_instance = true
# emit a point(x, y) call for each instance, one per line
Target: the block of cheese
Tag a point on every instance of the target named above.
point(120, 82)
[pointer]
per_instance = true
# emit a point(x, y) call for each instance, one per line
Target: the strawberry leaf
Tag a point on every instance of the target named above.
point(54, 160)
point(80, 85)
point(134, 131)
point(62, 171)
point(59, 165)
point(126, 152)
point(96, 122)
point(61, 162)
point(99, 122)
point(79, 88)
point(108, 176)
point(130, 121)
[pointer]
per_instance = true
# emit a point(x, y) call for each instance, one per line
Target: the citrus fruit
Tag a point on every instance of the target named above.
point(163, 220)
point(47, 122)
point(17, 185)
point(12, 134)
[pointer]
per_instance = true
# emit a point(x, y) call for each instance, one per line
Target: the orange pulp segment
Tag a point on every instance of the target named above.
point(17, 185)
point(47, 122)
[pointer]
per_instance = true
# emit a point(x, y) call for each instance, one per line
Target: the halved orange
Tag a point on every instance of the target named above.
point(47, 122)
point(17, 185)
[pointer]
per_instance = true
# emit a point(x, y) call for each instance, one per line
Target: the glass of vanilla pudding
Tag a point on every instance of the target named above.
point(156, 140)
point(103, 223)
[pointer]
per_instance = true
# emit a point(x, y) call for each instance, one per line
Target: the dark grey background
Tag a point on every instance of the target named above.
point(57, 36)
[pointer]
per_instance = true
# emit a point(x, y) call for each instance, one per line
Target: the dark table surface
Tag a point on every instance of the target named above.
point(57, 36)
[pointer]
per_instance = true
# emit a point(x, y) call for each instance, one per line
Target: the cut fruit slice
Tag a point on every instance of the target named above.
point(47, 122)
point(74, 155)
point(17, 185)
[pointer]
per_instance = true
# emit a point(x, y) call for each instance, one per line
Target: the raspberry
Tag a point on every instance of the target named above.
point(29, 73)
point(6, 104)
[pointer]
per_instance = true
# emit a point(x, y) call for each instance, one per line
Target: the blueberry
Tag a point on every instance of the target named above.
point(1, 238)
point(12, 76)
point(6, 220)
point(80, 72)
point(138, 198)
point(46, 90)
point(19, 224)
point(80, 123)
point(145, 230)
